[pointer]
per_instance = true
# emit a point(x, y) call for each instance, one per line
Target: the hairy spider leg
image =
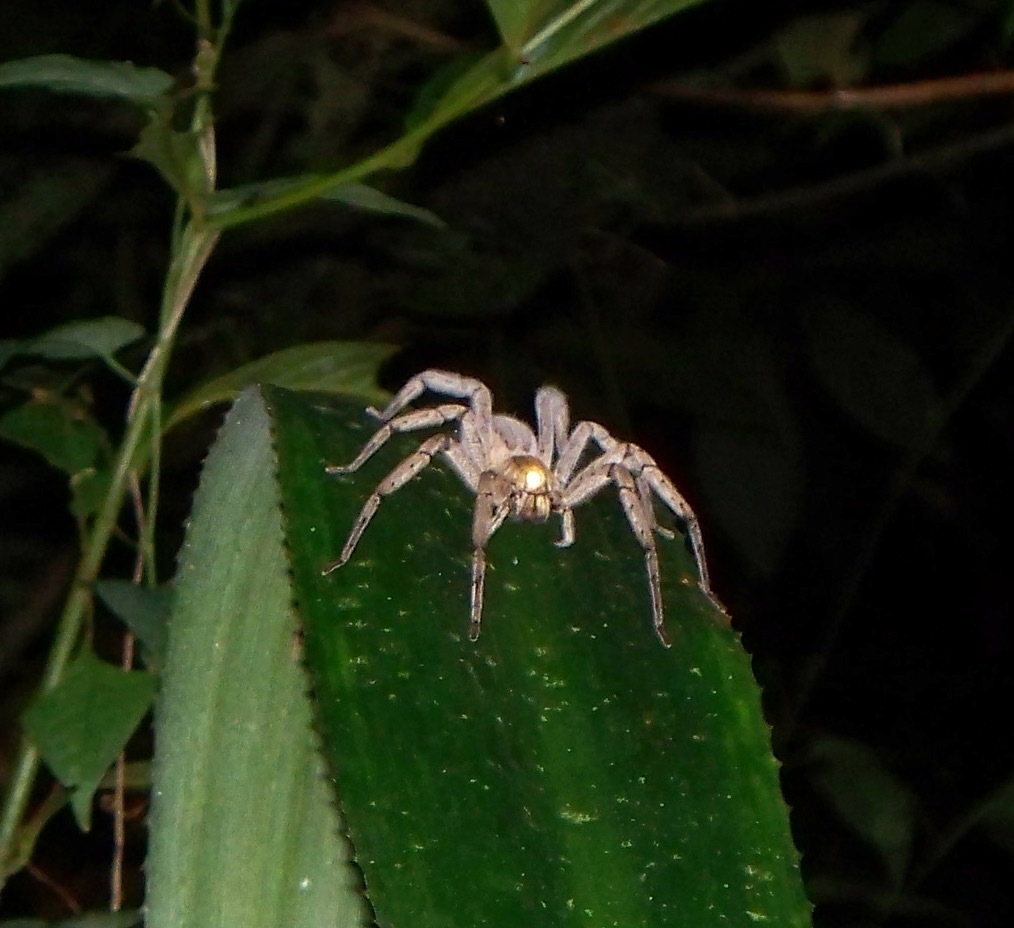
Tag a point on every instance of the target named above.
point(552, 420)
point(409, 422)
point(492, 505)
point(395, 480)
point(641, 522)
point(667, 492)
point(571, 450)
point(610, 468)
point(445, 382)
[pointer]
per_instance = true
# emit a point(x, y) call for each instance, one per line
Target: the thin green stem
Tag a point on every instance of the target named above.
point(196, 247)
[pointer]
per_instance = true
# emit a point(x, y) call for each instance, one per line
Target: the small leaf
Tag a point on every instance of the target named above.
point(65, 438)
point(821, 49)
point(925, 28)
point(358, 196)
point(88, 490)
point(67, 74)
point(80, 725)
point(88, 338)
point(876, 377)
point(174, 154)
point(331, 367)
point(868, 798)
point(143, 609)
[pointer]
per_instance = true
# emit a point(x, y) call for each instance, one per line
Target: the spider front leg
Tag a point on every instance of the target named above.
point(492, 506)
point(395, 480)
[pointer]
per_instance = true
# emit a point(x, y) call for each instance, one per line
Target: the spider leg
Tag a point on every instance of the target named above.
point(492, 505)
point(641, 524)
point(436, 381)
point(570, 451)
point(644, 488)
point(567, 534)
point(395, 480)
point(409, 422)
point(667, 492)
point(552, 420)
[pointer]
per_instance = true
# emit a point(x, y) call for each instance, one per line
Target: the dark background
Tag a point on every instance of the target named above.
point(802, 311)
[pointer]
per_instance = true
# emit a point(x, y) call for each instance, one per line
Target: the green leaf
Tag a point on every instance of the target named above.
point(80, 725)
point(564, 769)
point(339, 367)
point(88, 491)
point(358, 196)
point(143, 609)
point(67, 74)
point(243, 830)
point(64, 437)
point(877, 378)
point(87, 338)
point(174, 154)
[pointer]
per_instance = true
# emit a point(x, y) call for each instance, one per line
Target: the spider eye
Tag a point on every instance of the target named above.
point(535, 479)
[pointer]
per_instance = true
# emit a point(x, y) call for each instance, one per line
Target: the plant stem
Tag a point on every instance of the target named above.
point(195, 248)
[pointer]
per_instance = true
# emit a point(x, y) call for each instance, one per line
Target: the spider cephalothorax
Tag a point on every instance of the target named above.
point(526, 475)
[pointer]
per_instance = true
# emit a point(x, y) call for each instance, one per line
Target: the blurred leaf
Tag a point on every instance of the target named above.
point(876, 377)
point(88, 490)
point(62, 435)
point(143, 609)
point(868, 798)
point(996, 816)
point(244, 833)
point(565, 769)
point(357, 196)
point(87, 338)
point(336, 367)
point(80, 725)
point(924, 28)
point(821, 49)
point(67, 74)
point(45, 199)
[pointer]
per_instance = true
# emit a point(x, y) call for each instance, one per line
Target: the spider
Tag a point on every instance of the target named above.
point(527, 475)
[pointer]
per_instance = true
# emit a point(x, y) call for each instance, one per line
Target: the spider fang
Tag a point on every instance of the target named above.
point(525, 474)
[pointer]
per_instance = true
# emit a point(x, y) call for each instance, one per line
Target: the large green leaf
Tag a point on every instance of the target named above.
point(565, 769)
point(243, 830)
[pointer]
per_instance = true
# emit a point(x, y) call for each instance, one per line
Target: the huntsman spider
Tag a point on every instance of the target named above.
point(526, 475)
